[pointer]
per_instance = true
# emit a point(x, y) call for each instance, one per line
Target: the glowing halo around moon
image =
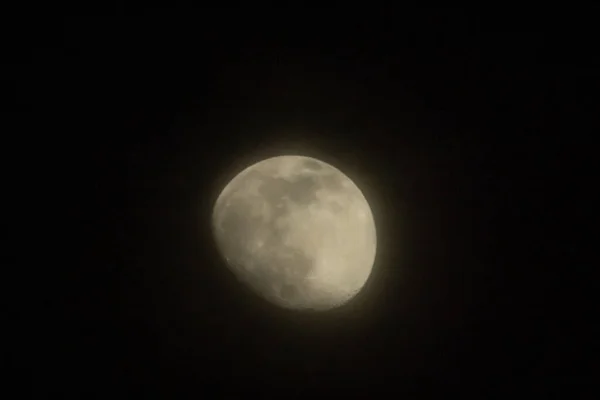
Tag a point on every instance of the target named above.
point(297, 231)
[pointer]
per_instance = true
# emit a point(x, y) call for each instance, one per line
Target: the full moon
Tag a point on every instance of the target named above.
point(297, 231)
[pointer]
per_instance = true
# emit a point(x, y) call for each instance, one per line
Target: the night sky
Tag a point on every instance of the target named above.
point(457, 128)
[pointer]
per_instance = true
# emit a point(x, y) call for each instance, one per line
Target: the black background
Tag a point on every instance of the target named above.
point(460, 129)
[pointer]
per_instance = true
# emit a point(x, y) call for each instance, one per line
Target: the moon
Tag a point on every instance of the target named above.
point(297, 231)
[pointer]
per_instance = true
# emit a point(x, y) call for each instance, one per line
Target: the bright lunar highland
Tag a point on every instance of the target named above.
point(297, 231)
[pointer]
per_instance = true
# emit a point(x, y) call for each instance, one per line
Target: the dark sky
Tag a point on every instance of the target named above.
point(457, 128)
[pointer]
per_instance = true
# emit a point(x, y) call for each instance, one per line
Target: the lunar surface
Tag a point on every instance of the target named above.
point(297, 231)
